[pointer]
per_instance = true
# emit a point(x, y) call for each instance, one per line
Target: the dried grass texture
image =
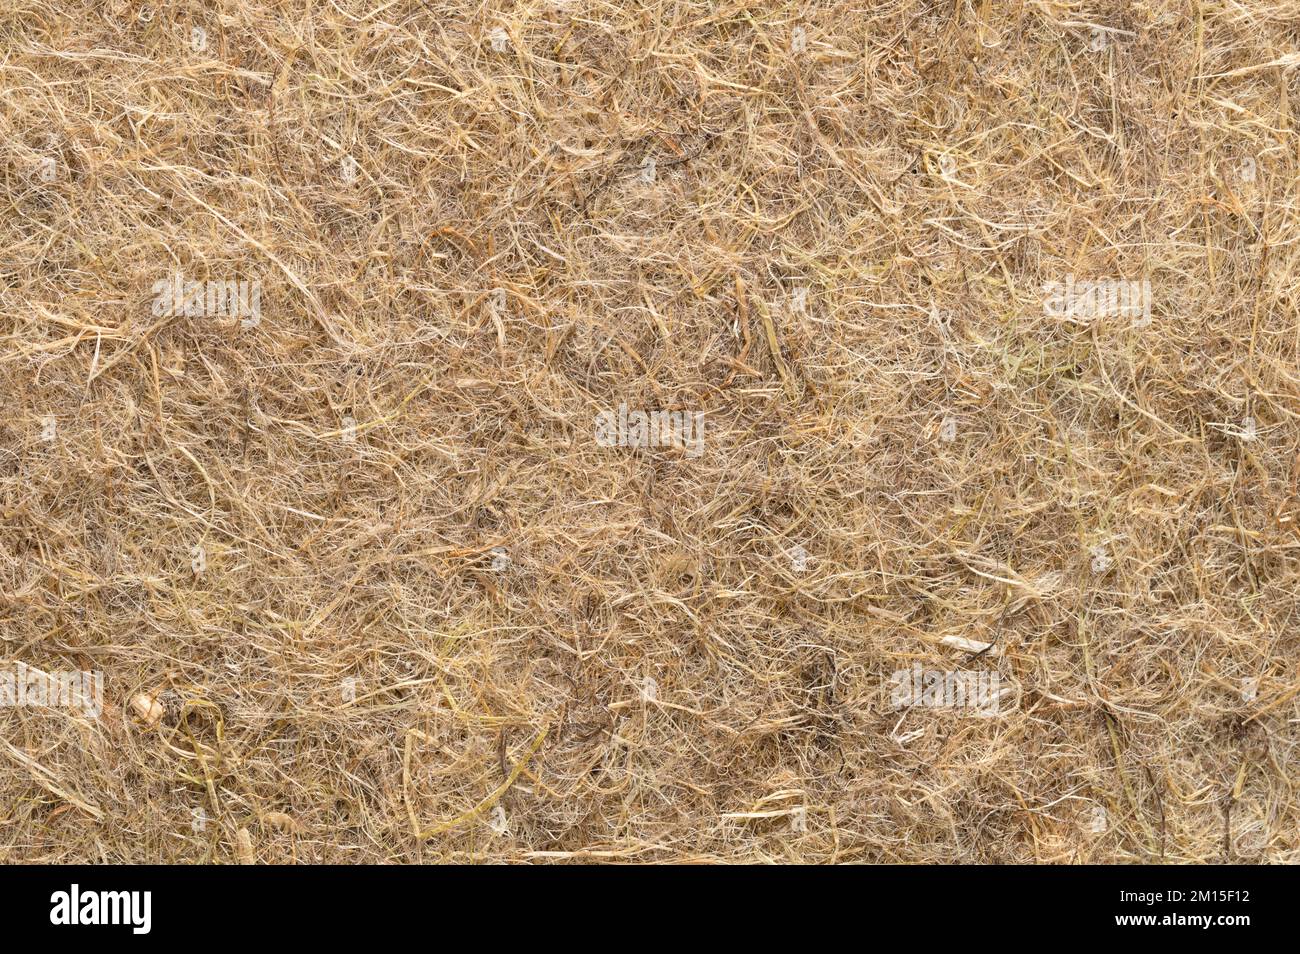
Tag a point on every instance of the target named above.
point(921, 168)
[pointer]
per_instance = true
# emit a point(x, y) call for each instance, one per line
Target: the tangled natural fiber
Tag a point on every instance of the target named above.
point(362, 583)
